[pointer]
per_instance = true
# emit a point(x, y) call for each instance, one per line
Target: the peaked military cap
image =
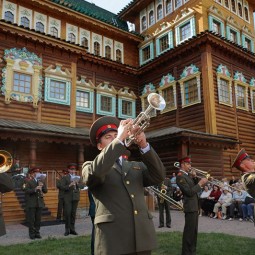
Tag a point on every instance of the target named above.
point(186, 159)
point(242, 155)
point(101, 127)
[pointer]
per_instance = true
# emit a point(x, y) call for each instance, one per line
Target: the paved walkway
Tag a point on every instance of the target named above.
point(19, 233)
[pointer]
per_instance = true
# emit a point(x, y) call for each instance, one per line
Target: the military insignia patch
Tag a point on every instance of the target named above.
point(136, 168)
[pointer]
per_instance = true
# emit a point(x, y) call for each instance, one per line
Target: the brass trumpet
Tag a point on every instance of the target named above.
point(157, 102)
point(6, 161)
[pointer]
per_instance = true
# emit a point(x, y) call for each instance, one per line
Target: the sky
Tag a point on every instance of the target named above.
point(113, 6)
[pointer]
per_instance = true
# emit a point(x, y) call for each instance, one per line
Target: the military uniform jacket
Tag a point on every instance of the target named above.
point(70, 193)
point(123, 223)
point(189, 190)
point(34, 198)
point(6, 185)
point(61, 192)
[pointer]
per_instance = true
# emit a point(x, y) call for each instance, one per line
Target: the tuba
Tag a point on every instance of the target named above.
point(157, 102)
point(5, 161)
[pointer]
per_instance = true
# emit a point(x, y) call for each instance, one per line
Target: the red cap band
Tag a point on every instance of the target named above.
point(240, 159)
point(104, 128)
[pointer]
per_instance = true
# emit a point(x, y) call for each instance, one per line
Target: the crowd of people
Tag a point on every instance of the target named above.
point(121, 221)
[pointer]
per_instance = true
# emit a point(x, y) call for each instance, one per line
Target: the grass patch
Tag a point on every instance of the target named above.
point(169, 244)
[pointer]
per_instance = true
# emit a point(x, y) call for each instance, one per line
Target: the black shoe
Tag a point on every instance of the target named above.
point(67, 233)
point(38, 236)
point(168, 226)
point(160, 226)
point(73, 232)
point(32, 237)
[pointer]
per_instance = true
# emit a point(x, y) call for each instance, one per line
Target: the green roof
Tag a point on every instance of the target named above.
point(94, 11)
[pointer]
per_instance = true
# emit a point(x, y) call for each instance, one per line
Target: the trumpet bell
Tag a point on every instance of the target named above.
point(156, 101)
point(5, 161)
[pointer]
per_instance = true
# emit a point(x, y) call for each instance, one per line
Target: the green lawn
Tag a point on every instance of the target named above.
point(169, 244)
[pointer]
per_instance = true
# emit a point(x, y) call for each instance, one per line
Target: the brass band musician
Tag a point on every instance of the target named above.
point(246, 164)
point(163, 205)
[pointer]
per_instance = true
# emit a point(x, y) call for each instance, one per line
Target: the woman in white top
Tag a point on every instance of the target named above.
point(204, 195)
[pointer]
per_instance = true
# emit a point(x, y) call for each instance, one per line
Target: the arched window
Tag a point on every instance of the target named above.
point(240, 11)
point(151, 18)
point(9, 16)
point(39, 27)
point(226, 3)
point(159, 12)
point(246, 13)
point(108, 52)
point(84, 42)
point(97, 48)
point(54, 31)
point(71, 37)
point(169, 6)
point(233, 5)
point(144, 24)
point(24, 21)
point(118, 55)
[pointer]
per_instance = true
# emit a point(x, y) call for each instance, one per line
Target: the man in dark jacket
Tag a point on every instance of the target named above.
point(34, 189)
point(6, 185)
point(71, 184)
point(190, 189)
point(123, 224)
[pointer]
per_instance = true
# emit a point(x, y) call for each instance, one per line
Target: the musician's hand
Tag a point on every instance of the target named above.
point(202, 182)
point(124, 129)
point(140, 140)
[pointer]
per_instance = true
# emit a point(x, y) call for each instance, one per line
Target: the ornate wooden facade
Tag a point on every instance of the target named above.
point(66, 63)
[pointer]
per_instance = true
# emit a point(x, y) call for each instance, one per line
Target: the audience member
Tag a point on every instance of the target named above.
point(223, 202)
point(173, 182)
point(209, 203)
point(248, 208)
point(204, 195)
point(233, 180)
point(237, 201)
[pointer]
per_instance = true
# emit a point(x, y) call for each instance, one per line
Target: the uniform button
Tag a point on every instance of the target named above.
point(127, 182)
point(135, 212)
point(132, 195)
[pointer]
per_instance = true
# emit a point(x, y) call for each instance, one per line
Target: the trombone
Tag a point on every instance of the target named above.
point(207, 175)
point(163, 195)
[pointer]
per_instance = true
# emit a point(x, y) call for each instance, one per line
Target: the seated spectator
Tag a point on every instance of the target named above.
point(248, 208)
point(224, 201)
point(204, 195)
point(237, 201)
point(211, 200)
point(233, 180)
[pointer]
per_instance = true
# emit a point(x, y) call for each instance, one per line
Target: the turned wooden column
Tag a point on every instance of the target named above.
point(80, 156)
point(32, 158)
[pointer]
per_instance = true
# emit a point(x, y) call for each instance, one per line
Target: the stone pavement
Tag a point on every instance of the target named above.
point(19, 233)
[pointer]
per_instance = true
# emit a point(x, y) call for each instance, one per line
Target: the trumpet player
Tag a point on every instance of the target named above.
point(190, 189)
point(123, 224)
point(34, 191)
point(163, 205)
point(244, 163)
point(71, 187)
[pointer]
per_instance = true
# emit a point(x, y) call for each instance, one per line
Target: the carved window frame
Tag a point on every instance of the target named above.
point(107, 42)
point(222, 73)
point(148, 88)
point(85, 34)
point(191, 21)
point(211, 20)
point(169, 34)
point(244, 37)
point(188, 74)
point(9, 7)
point(252, 94)
point(71, 33)
point(151, 48)
point(86, 87)
point(129, 96)
point(24, 62)
point(239, 80)
point(25, 13)
point(118, 46)
point(55, 24)
point(166, 83)
point(57, 74)
point(105, 90)
point(96, 38)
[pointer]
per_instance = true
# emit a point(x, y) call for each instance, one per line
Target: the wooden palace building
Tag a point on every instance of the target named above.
point(65, 63)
